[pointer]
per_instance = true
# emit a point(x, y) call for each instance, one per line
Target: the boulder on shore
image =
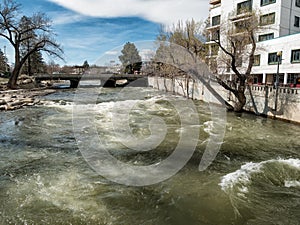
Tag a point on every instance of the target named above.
point(16, 99)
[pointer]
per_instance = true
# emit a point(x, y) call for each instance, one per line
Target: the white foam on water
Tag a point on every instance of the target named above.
point(61, 105)
point(240, 176)
point(208, 126)
point(291, 162)
point(290, 184)
point(117, 106)
point(67, 190)
point(243, 175)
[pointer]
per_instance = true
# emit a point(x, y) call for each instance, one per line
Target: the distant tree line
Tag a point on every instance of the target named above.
point(4, 67)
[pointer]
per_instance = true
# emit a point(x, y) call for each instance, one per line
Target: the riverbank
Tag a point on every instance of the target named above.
point(16, 99)
point(260, 99)
point(26, 95)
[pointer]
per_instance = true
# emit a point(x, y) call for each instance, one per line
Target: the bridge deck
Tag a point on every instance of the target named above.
point(87, 76)
point(107, 80)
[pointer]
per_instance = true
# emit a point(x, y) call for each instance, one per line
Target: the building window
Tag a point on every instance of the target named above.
point(293, 78)
point(265, 37)
point(267, 19)
point(240, 27)
point(244, 7)
point(280, 78)
point(256, 60)
point(273, 58)
point(214, 49)
point(228, 69)
point(295, 56)
point(298, 3)
point(215, 35)
point(213, 66)
point(239, 61)
point(216, 20)
point(297, 21)
point(266, 2)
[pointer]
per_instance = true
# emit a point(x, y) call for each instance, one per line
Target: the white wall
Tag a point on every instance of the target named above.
point(288, 99)
point(286, 45)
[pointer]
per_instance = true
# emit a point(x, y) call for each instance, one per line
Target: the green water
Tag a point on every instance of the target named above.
point(44, 179)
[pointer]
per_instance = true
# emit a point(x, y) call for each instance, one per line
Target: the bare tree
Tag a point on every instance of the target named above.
point(238, 45)
point(188, 35)
point(37, 35)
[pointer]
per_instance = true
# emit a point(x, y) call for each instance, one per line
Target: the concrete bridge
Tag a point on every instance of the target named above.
point(107, 80)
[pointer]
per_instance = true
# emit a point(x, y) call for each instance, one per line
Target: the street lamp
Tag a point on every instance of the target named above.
point(5, 58)
point(279, 54)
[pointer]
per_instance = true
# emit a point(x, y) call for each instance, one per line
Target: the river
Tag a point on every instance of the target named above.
point(44, 178)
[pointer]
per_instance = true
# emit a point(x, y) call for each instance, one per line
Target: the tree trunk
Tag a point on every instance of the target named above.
point(240, 95)
point(239, 105)
point(12, 82)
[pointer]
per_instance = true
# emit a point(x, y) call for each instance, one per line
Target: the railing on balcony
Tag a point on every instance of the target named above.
point(240, 17)
point(214, 50)
point(243, 11)
point(215, 36)
point(215, 23)
point(214, 2)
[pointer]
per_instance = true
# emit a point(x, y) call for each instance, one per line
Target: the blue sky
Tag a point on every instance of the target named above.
point(93, 29)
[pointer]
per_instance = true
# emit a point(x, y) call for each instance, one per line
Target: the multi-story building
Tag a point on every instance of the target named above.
point(279, 23)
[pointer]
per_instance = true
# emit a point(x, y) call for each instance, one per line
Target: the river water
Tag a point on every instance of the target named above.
point(44, 178)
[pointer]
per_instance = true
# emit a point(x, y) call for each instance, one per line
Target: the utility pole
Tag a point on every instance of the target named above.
point(5, 58)
point(279, 54)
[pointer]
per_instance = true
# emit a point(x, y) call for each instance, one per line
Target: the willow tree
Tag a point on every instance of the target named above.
point(35, 32)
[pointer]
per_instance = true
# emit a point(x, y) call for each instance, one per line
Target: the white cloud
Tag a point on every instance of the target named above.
point(147, 54)
point(65, 18)
point(111, 53)
point(160, 11)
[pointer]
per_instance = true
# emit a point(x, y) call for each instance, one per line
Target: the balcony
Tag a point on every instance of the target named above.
point(214, 2)
point(243, 11)
point(211, 28)
point(240, 17)
point(239, 34)
point(213, 38)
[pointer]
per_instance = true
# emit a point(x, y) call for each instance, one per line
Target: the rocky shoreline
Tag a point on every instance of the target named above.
point(16, 99)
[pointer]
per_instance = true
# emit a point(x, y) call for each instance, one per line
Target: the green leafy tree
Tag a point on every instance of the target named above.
point(86, 65)
point(130, 58)
point(37, 36)
point(3, 63)
point(36, 63)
